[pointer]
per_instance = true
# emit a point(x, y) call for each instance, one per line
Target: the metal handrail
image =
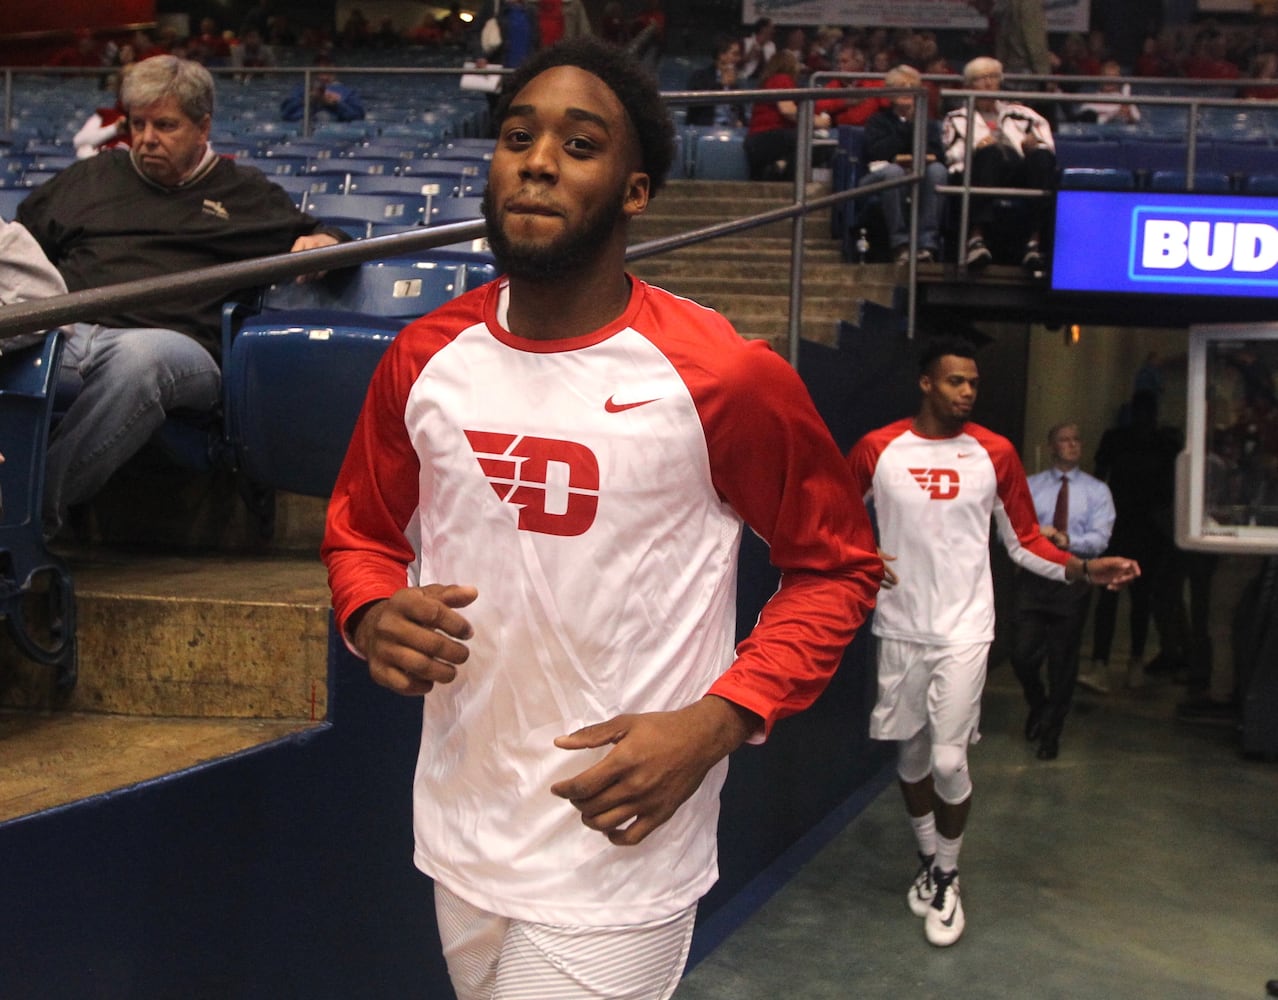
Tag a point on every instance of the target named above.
point(25, 317)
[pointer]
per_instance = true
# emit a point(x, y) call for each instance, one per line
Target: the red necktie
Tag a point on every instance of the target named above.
point(1060, 517)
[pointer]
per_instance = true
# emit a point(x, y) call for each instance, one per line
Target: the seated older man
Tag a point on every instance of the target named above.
point(167, 205)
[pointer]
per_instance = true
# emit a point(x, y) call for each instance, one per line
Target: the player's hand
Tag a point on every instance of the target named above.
point(415, 639)
point(1112, 572)
point(657, 761)
point(889, 578)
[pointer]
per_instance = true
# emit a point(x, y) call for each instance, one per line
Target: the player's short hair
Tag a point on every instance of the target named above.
point(157, 77)
point(626, 77)
point(939, 347)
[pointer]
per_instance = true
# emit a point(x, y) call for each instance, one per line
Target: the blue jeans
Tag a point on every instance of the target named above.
point(894, 204)
point(124, 382)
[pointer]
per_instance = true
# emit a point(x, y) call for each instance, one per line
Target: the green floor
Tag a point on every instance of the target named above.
point(1141, 863)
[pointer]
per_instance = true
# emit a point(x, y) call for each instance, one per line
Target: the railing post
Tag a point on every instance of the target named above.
point(802, 170)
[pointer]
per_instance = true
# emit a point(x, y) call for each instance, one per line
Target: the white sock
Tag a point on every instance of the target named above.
point(925, 833)
point(947, 852)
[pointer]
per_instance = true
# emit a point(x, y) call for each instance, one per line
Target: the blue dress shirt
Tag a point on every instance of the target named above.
point(1091, 508)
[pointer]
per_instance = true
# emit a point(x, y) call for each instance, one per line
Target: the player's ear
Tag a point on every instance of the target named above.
point(637, 194)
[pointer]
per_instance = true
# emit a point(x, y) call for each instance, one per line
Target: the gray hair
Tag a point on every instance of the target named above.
point(980, 66)
point(902, 76)
point(159, 77)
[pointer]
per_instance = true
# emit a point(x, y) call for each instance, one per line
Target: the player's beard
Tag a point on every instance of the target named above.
point(569, 253)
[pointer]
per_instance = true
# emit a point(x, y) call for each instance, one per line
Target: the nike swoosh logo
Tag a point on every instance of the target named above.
point(614, 407)
point(964, 454)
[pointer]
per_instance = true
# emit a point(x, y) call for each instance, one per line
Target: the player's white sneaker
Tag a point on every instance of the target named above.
point(922, 889)
point(944, 922)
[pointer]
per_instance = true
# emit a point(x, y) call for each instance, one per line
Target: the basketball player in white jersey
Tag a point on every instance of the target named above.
point(536, 527)
point(936, 480)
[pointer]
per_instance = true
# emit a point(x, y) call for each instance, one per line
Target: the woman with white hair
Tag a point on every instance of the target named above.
point(1012, 146)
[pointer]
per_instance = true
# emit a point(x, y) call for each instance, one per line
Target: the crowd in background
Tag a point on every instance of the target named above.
point(1208, 49)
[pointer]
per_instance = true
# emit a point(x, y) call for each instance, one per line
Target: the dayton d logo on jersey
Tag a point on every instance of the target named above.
point(939, 484)
point(554, 484)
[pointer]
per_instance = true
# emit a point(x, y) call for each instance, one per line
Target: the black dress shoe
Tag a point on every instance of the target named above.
point(1034, 723)
point(1271, 987)
point(1049, 748)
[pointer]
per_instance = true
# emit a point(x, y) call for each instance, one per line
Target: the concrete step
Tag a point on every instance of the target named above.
point(197, 635)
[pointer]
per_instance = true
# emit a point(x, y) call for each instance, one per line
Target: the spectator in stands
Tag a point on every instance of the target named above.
point(823, 51)
point(1075, 59)
point(170, 204)
point(576, 19)
point(576, 726)
point(721, 75)
point(770, 142)
point(757, 49)
point(843, 110)
point(107, 127)
point(796, 42)
point(329, 96)
point(1012, 146)
point(518, 34)
point(251, 53)
point(889, 148)
point(1104, 112)
point(649, 31)
point(84, 51)
point(208, 46)
point(1020, 34)
point(550, 21)
point(1157, 57)
point(356, 32)
point(1262, 85)
point(1208, 61)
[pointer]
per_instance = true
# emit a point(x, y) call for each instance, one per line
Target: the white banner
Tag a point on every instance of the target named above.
point(1062, 15)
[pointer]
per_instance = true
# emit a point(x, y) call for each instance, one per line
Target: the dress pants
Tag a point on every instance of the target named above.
point(1049, 629)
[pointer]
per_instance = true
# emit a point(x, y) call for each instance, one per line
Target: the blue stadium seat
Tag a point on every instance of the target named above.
point(10, 199)
point(300, 185)
point(34, 178)
point(718, 153)
point(1242, 158)
point(279, 163)
point(1266, 184)
point(401, 209)
point(296, 374)
point(1089, 153)
point(1152, 154)
point(431, 165)
point(445, 210)
point(376, 165)
point(29, 573)
point(432, 185)
point(1212, 181)
point(1097, 179)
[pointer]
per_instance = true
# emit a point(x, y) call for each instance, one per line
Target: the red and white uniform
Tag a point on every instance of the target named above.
point(933, 500)
point(593, 489)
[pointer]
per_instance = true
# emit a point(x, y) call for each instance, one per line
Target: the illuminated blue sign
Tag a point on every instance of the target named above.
point(1166, 244)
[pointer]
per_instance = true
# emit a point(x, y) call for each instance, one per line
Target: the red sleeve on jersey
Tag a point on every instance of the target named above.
point(364, 548)
point(773, 460)
point(864, 456)
point(1014, 492)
